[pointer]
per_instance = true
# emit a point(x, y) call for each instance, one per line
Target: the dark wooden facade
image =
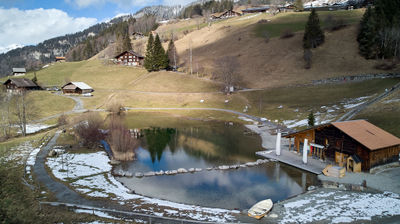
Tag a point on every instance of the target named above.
point(20, 84)
point(129, 58)
point(339, 145)
point(226, 14)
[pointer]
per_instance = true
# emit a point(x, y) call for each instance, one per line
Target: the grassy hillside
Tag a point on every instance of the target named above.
point(278, 62)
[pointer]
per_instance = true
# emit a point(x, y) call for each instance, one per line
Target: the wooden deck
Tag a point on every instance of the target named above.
point(289, 157)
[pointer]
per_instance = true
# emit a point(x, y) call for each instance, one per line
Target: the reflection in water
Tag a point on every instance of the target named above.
point(157, 140)
point(205, 146)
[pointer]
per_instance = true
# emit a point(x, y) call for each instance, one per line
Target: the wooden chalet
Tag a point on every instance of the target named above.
point(18, 71)
point(365, 143)
point(60, 59)
point(20, 84)
point(77, 88)
point(137, 35)
point(129, 58)
point(261, 9)
point(226, 14)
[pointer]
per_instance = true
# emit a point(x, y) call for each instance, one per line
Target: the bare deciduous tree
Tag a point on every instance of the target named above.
point(227, 71)
point(122, 143)
point(5, 113)
point(23, 110)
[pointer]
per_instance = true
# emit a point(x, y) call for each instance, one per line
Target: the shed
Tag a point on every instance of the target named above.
point(77, 88)
point(341, 140)
point(130, 58)
point(354, 163)
point(60, 59)
point(20, 84)
point(18, 71)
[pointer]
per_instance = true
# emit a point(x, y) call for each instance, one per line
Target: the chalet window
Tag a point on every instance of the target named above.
point(130, 56)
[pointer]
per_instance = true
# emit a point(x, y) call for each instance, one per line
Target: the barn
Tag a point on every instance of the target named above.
point(129, 58)
point(20, 84)
point(77, 88)
point(225, 14)
point(18, 71)
point(364, 142)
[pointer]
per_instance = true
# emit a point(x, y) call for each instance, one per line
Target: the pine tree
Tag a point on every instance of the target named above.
point(313, 35)
point(126, 43)
point(367, 35)
point(172, 54)
point(148, 60)
point(298, 5)
point(311, 119)
point(160, 57)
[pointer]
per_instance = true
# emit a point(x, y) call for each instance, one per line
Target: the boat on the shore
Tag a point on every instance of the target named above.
point(260, 209)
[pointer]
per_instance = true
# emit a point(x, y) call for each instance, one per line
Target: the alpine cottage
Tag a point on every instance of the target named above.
point(17, 85)
point(349, 144)
point(129, 58)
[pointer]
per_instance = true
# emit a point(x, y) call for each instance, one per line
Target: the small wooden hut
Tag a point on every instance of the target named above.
point(18, 71)
point(338, 141)
point(77, 88)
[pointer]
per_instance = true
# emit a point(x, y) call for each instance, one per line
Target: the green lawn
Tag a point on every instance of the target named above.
point(296, 21)
point(46, 103)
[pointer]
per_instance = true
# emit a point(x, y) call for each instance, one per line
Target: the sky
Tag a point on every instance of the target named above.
point(29, 22)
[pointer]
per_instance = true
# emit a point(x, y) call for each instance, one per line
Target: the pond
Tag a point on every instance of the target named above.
point(197, 144)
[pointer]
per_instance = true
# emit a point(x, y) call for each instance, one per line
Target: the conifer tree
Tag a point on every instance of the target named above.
point(126, 43)
point(313, 35)
point(311, 119)
point(148, 60)
point(367, 35)
point(160, 59)
point(172, 54)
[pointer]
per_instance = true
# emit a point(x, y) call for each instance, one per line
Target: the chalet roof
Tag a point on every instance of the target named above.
point(219, 14)
point(363, 132)
point(132, 52)
point(19, 70)
point(22, 82)
point(261, 8)
point(60, 58)
point(367, 134)
point(80, 85)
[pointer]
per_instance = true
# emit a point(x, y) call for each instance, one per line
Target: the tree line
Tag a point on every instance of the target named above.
point(379, 31)
point(209, 7)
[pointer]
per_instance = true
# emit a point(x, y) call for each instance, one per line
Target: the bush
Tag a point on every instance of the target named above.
point(115, 108)
point(62, 120)
point(88, 130)
point(266, 36)
point(287, 34)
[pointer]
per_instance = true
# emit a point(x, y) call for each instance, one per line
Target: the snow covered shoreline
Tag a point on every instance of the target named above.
point(90, 174)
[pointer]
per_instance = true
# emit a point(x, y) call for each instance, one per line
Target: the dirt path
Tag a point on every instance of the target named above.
point(352, 113)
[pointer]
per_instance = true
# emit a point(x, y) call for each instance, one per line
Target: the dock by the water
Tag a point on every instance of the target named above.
point(313, 165)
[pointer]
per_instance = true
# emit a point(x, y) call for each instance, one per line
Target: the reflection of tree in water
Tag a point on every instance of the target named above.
point(157, 140)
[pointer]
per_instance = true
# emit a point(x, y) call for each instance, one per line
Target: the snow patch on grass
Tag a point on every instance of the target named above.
point(341, 207)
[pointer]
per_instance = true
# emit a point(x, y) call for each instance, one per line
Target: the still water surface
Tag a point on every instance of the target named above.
point(210, 144)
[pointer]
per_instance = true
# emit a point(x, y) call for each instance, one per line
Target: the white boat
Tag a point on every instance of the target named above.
point(260, 209)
